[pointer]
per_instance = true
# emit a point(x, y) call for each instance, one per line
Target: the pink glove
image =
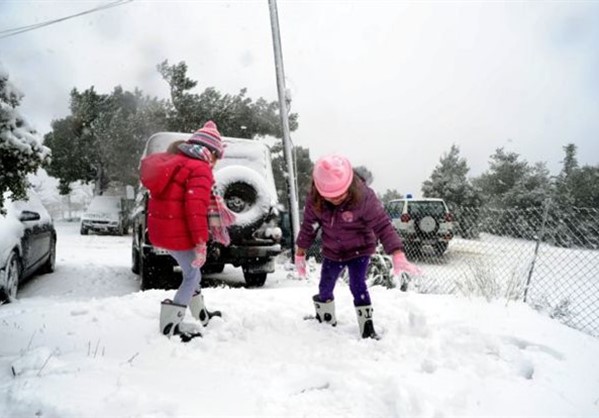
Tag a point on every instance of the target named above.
point(401, 264)
point(200, 255)
point(300, 265)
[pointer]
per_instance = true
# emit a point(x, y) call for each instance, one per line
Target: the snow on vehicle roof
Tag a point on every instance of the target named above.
point(105, 203)
point(238, 152)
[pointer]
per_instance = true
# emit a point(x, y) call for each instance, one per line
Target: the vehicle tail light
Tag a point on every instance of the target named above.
point(405, 217)
point(448, 217)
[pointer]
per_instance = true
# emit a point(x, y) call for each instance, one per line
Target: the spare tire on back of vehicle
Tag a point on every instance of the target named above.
point(245, 192)
point(426, 225)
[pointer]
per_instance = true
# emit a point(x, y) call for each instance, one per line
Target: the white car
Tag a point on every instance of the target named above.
point(422, 222)
point(106, 214)
point(27, 244)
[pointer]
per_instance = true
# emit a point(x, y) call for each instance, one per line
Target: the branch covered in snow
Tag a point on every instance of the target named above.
point(21, 150)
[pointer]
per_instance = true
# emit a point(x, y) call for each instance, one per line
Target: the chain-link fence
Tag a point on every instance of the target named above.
point(547, 256)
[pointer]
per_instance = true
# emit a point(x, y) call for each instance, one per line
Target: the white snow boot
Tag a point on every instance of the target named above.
point(365, 323)
point(325, 311)
point(199, 311)
point(171, 322)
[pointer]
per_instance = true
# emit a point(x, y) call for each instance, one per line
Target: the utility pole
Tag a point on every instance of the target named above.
point(276, 39)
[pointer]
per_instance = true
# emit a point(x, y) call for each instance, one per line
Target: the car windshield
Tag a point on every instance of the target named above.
point(423, 208)
point(105, 204)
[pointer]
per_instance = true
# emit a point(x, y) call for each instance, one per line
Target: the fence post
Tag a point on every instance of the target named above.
point(539, 239)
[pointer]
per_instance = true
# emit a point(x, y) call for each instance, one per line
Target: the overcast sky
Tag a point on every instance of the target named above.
point(390, 84)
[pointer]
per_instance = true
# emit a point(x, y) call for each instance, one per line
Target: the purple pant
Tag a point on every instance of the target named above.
point(356, 267)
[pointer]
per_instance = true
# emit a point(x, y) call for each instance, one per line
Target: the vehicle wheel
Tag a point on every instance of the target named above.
point(426, 226)
point(50, 264)
point(13, 277)
point(149, 273)
point(83, 231)
point(245, 193)
point(254, 279)
point(155, 275)
point(134, 260)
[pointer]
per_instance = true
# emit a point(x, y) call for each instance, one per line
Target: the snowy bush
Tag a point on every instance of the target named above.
point(481, 279)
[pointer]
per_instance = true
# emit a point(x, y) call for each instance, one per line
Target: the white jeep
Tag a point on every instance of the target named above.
point(245, 179)
point(422, 222)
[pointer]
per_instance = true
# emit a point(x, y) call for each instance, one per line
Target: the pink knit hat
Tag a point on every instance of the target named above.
point(332, 175)
point(208, 136)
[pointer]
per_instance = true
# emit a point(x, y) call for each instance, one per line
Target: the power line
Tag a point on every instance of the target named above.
point(15, 31)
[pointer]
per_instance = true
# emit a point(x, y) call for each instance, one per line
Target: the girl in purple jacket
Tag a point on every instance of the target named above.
point(352, 219)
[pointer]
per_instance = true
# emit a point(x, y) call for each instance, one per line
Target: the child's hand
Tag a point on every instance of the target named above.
point(200, 255)
point(300, 265)
point(401, 264)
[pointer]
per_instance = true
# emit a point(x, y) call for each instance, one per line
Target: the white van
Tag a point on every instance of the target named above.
point(106, 214)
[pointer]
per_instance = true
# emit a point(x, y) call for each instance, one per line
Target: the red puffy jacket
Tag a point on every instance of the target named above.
point(179, 189)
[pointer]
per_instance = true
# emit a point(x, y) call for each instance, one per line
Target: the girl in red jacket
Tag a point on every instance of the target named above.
point(180, 182)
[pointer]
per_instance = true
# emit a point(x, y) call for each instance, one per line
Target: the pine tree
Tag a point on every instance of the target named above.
point(390, 194)
point(448, 181)
point(504, 173)
point(236, 115)
point(563, 182)
point(21, 151)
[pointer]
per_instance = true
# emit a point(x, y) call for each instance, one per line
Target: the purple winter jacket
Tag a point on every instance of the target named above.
point(349, 231)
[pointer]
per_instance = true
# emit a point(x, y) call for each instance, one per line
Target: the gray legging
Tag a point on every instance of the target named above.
point(192, 276)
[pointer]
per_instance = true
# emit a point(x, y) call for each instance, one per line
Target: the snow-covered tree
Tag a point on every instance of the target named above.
point(585, 187)
point(518, 190)
point(505, 171)
point(577, 186)
point(390, 194)
point(236, 115)
point(21, 151)
point(303, 167)
point(103, 138)
point(449, 182)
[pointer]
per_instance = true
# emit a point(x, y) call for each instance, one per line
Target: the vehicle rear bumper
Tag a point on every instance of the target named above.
point(427, 240)
point(100, 226)
point(260, 251)
point(233, 254)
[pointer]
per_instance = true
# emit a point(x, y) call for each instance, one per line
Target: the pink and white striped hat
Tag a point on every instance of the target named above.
point(208, 136)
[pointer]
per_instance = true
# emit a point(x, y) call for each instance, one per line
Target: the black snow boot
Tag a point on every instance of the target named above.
point(365, 323)
point(171, 322)
point(199, 311)
point(325, 311)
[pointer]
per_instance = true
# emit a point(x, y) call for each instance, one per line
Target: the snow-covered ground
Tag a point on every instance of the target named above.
point(84, 342)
